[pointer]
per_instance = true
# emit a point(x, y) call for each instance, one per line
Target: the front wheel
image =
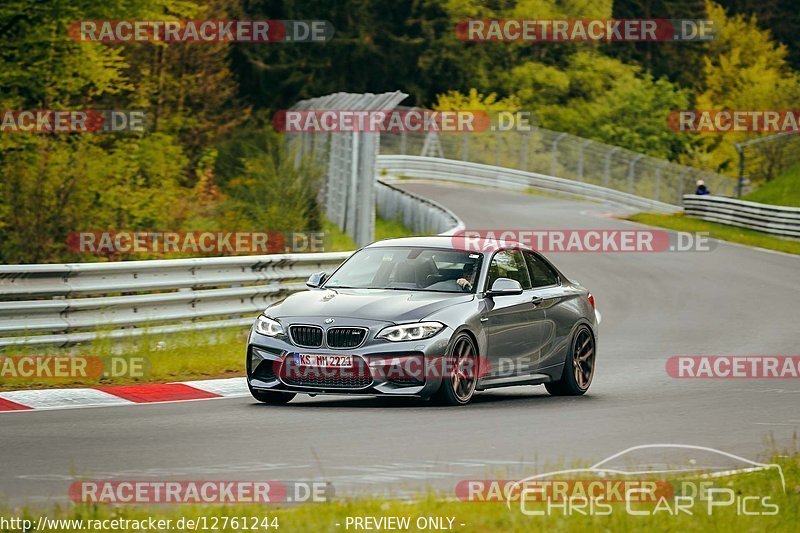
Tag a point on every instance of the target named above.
point(272, 398)
point(578, 367)
point(458, 383)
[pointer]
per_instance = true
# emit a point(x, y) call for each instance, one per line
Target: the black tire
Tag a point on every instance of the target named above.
point(272, 398)
point(578, 371)
point(458, 383)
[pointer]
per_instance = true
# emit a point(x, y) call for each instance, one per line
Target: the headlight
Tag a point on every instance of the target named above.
point(411, 332)
point(267, 326)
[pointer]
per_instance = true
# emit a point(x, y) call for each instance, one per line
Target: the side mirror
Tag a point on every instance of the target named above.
point(505, 287)
point(316, 279)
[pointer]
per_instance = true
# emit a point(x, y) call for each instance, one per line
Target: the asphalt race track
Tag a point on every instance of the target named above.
point(733, 300)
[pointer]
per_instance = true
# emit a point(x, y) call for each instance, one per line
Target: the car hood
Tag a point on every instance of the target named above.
point(370, 304)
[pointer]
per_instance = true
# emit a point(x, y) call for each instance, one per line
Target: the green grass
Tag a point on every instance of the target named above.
point(783, 190)
point(390, 229)
point(335, 239)
point(479, 517)
point(339, 241)
point(680, 222)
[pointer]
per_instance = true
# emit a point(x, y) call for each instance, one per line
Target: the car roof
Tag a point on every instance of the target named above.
point(440, 241)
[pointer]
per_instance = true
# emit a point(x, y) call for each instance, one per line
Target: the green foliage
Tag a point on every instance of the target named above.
point(599, 97)
point(268, 192)
point(746, 70)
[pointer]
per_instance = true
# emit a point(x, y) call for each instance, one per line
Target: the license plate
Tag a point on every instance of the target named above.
point(328, 361)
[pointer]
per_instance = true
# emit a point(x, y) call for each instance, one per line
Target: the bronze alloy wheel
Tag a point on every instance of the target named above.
point(578, 366)
point(462, 376)
point(583, 359)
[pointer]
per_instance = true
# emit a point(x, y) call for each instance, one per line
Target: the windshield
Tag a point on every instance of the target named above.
point(409, 268)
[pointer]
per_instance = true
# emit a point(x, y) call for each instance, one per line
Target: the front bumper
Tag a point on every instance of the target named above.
point(380, 367)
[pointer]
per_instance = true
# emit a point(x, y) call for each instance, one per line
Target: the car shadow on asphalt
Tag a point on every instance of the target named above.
point(521, 395)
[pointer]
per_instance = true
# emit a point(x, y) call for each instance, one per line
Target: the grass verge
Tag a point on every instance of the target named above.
point(339, 241)
point(783, 190)
point(769, 508)
point(680, 222)
point(149, 359)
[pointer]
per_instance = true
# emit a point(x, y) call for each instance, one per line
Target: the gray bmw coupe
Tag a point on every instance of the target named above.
point(429, 318)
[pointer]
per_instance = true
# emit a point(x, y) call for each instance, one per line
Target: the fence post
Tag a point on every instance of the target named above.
point(403, 141)
point(554, 154)
point(740, 185)
point(497, 148)
point(681, 185)
point(580, 158)
point(465, 146)
point(632, 171)
point(607, 170)
point(657, 186)
point(523, 156)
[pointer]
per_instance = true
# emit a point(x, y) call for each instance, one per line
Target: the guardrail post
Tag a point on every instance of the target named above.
point(403, 141)
point(465, 146)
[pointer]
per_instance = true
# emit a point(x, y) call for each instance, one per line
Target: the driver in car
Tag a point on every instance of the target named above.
point(466, 281)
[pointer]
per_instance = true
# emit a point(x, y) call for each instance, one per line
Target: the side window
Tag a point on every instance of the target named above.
point(509, 264)
point(541, 274)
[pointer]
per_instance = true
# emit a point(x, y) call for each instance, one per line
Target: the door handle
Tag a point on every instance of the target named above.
point(536, 300)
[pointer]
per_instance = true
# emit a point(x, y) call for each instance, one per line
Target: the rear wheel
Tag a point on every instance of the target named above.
point(458, 383)
point(273, 398)
point(578, 367)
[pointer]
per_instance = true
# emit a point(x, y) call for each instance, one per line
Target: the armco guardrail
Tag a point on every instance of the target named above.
point(466, 172)
point(773, 219)
point(204, 293)
point(419, 214)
